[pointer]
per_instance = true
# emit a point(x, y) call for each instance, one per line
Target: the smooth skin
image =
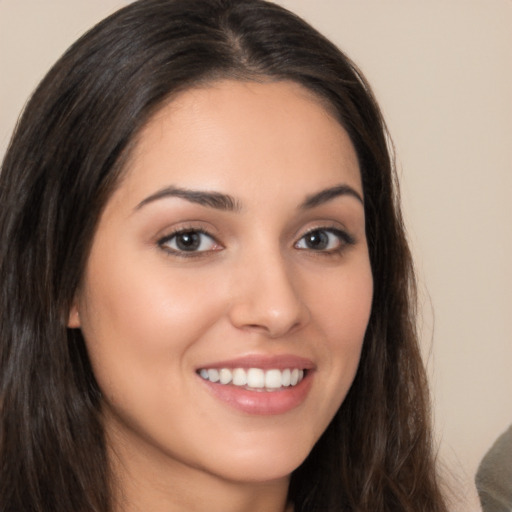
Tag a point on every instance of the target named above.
point(175, 282)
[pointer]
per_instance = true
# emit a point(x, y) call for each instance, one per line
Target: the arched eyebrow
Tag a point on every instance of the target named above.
point(225, 202)
point(328, 194)
point(215, 200)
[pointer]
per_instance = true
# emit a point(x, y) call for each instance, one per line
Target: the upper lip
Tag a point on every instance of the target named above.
point(265, 362)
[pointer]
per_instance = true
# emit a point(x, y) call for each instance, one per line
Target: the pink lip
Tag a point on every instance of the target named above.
point(263, 402)
point(265, 362)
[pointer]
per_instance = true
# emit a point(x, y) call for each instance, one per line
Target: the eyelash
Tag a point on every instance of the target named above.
point(182, 252)
point(344, 240)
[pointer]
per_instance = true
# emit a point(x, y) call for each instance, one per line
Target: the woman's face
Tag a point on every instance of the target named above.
point(228, 287)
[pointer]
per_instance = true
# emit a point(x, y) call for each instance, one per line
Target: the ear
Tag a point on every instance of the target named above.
point(74, 316)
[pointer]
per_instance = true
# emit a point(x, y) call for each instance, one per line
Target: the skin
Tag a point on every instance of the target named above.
point(151, 315)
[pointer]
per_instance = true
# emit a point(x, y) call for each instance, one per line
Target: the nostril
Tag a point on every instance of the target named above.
point(267, 301)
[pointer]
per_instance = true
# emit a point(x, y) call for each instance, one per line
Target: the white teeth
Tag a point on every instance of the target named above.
point(213, 375)
point(254, 378)
point(239, 377)
point(225, 376)
point(273, 379)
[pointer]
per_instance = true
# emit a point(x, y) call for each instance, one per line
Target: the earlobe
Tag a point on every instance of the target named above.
point(74, 317)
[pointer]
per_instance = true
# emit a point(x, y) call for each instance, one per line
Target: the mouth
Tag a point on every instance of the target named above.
point(259, 384)
point(255, 379)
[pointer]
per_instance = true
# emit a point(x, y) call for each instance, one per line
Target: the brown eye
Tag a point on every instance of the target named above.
point(189, 241)
point(317, 240)
point(327, 240)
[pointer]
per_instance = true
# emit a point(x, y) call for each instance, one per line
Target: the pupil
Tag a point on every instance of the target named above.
point(188, 241)
point(317, 240)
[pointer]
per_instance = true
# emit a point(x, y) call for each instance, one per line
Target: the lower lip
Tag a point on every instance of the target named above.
point(262, 402)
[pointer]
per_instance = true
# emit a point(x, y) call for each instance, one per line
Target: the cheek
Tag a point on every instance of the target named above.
point(140, 321)
point(344, 306)
point(342, 313)
point(140, 328)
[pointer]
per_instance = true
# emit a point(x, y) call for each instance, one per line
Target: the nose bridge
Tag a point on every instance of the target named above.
point(268, 296)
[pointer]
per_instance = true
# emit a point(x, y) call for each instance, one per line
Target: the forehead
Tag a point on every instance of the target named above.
point(230, 132)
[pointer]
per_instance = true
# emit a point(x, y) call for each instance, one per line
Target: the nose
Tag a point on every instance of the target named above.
point(267, 298)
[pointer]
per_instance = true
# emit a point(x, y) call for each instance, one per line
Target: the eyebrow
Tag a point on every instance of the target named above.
point(328, 194)
point(215, 200)
point(225, 202)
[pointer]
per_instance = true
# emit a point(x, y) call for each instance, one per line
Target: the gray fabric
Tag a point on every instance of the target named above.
point(494, 476)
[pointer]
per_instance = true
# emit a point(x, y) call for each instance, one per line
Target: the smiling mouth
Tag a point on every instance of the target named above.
point(254, 379)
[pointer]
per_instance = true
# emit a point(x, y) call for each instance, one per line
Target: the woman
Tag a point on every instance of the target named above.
point(207, 295)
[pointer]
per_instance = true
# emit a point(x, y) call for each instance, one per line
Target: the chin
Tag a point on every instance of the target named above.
point(263, 465)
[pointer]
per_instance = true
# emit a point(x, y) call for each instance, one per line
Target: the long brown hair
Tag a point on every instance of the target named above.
point(63, 162)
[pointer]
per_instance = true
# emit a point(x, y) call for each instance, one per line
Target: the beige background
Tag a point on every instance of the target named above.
point(442, 72)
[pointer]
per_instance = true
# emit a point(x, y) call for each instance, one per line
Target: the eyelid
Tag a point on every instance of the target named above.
point(345, 239)
point(183, 229)
point(333, 228)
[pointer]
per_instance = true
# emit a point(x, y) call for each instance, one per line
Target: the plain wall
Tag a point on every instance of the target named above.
point(442, 72)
